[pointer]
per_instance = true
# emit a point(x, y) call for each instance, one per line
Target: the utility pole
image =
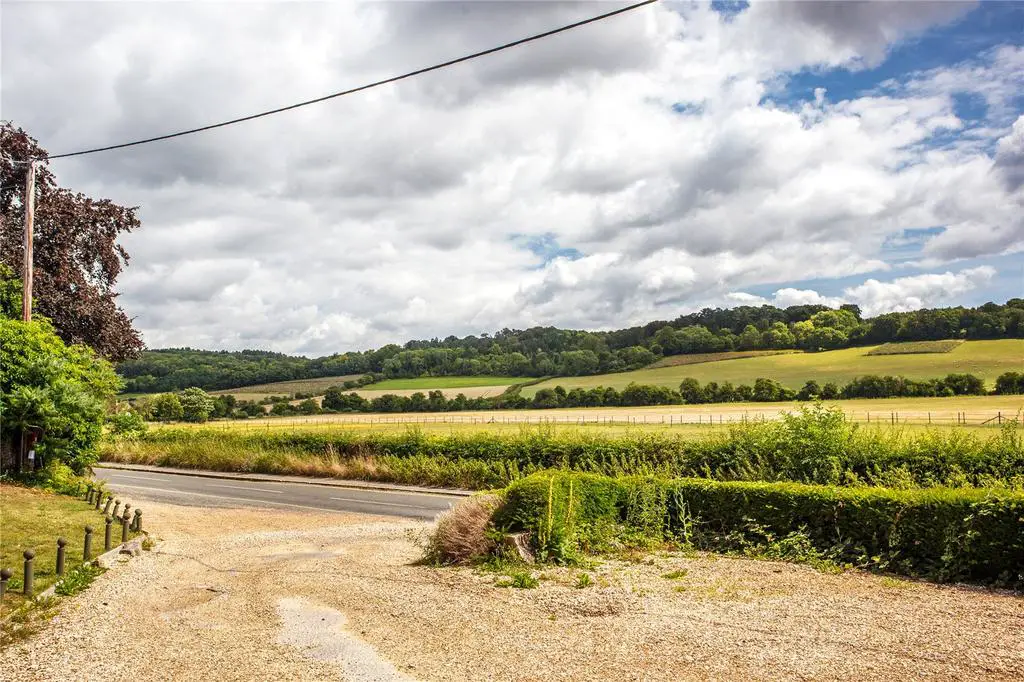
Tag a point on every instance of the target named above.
point(26, 272)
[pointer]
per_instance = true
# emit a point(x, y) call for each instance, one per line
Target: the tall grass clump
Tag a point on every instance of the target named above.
point(816, 445)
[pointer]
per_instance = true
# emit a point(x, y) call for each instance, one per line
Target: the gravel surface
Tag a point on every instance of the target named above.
point(230, 594)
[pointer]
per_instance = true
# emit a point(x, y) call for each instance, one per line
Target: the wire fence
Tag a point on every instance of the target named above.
point(994, 418)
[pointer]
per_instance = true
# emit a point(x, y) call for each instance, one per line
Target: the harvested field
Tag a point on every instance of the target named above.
point(309, 386)
point(468, 391)
point(912, 347)
point(698, 358)
point(221, 576)
point(905, 411)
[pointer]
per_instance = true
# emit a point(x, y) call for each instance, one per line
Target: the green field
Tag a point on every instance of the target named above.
point(986, 359)
point(431, 383)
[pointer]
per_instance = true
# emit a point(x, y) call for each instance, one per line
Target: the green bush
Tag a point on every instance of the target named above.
point(940, 534)
point(59, 388)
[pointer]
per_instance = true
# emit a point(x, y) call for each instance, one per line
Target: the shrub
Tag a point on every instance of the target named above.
point(127, 423)
point(940, 533)
point(462, 533)
point(1010, 383)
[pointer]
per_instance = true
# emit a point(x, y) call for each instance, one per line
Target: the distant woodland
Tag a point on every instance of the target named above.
point(548, 351)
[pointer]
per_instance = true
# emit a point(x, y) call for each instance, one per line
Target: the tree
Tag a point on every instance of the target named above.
point(76, 254)
point(196, 405)
point(749, 339)
point(810, 391)
point(825, 338)
point(309, 406)
point(1010, 383)
point(692, 392)
point(778, 336)
point(62, 389)
point(166, 407)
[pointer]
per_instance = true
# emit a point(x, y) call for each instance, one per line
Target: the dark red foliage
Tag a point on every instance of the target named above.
point(76, 255)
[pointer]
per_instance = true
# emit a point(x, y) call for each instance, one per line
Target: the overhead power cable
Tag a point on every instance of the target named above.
point(368, 86)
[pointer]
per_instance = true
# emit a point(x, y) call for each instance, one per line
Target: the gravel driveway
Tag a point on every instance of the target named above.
point(233, 594)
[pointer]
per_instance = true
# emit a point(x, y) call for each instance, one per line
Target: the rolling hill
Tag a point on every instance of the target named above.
point(986, 359)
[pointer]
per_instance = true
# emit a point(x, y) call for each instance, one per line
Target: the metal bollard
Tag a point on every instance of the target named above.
point(117, 505)
point(87, 550)
point(61, 542)
point(110, 501)
point(88, 493)
point(137, 521)
point(29, 578)
point(5, 575)
point(124, 529)
point(99, 498)
point(106, 533)
point(127, 508)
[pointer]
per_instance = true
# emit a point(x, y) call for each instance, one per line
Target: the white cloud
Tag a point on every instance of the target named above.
point(407, 211)
point(875, 297)
point(918, 291)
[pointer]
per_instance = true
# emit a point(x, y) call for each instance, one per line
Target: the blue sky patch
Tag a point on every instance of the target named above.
point(545, 247)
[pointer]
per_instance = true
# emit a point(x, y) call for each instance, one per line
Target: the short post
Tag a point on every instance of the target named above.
point(117, 506)
point(137, 521)
point(87, 550)
point(88, 493)
point(106, 532)
point(29, 578)
point(99, 498)
point(1000, 416)
point(61, 542)
point(127, 510)
point(110, 501)
point(124, 529)
point(5, 575)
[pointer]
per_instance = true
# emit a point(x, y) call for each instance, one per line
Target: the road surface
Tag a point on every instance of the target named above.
point(216, 492)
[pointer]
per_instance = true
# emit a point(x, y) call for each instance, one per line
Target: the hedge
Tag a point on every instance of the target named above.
point(942, 534)
point(815, 446)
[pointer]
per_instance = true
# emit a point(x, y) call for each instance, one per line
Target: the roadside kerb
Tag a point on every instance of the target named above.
point(272, 478)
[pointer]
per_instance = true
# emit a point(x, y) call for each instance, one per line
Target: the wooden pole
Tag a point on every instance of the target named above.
point(30, 214)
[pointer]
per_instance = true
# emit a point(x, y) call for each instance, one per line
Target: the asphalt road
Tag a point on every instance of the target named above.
point(217, 492)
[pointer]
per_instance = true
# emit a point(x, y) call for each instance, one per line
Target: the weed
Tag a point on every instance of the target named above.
point(148, 543)
point(523, 580)
point(583, 581)
point(675, 575)
point(77, 579)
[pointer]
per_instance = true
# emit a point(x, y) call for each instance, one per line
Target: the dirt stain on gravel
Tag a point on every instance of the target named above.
point(319, 631)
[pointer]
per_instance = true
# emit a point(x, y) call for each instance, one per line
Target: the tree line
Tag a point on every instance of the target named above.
point(195, 405)
point(548, 351)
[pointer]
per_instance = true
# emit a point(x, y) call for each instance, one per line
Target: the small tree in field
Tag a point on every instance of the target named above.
point(166, 408)
point(196, 405)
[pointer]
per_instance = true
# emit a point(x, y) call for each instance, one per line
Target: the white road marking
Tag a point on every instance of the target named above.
point(387, 504)
point(141, 478)
point(241, 487)
point(250, 499)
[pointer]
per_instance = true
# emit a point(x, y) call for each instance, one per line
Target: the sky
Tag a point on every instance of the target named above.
point(680, 156)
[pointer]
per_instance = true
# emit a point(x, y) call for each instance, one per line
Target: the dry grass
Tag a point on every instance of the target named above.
point(462, 532)
point(698, 358)
point(914, 347)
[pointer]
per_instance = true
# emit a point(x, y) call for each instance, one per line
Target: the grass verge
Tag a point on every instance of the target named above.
point(34, 519)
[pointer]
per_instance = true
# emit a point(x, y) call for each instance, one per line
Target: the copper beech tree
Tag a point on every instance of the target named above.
point(76, 255)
